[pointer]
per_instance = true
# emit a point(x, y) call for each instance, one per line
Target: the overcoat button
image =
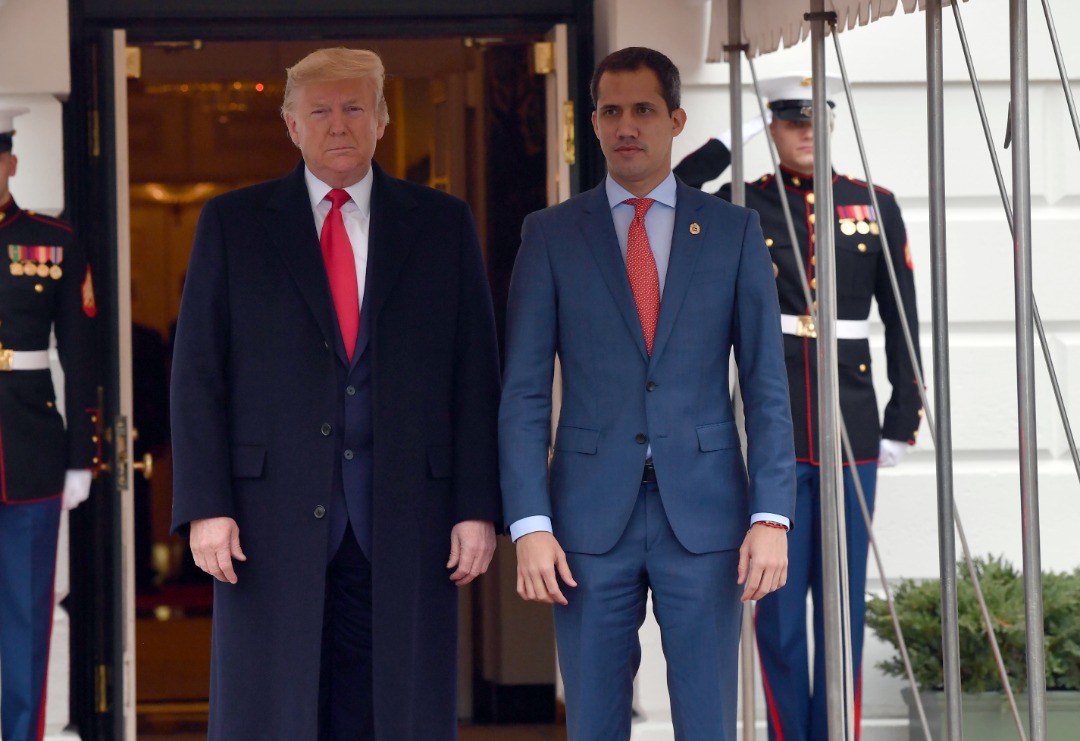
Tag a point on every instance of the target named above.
point(350, 390)
point(650, 386)
point(320, 512)
point(641, 438)
point(348, 455)
point(326, 429)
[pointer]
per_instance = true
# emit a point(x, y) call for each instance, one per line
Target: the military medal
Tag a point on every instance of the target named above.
point(874, 228)
point(15, 254)
point(862, 227)
point(847, 227)
point(29, 268)
point(55, 272)
point(42, 270)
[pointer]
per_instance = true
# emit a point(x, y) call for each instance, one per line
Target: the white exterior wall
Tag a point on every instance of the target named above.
point(35, 72)
point(886, 62)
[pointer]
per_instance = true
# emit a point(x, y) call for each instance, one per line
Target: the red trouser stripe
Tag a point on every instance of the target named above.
point(48, 652)
point(770, 703)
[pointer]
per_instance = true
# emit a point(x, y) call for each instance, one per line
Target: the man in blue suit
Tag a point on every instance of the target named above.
point(643, 287)
point(334, 402)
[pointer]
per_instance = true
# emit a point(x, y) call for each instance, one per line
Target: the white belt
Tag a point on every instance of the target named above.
point(846, 329)
point(23, 360)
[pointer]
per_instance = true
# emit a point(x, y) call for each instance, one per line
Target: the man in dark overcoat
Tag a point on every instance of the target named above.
point(334, 399)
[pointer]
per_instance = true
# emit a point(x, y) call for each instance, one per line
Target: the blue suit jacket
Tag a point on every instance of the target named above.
point(570, 296)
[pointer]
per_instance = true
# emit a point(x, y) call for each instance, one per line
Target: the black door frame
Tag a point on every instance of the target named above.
point(96, 599)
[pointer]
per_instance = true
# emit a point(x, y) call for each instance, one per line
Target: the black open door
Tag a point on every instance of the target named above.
point(96, 598)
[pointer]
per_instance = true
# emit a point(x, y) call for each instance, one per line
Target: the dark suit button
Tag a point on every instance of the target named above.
point(641, 438)
point(320, 512)
point(650, 386)
point(348, 455)
point(326, 429)
point(326, 344)
point(350, 390)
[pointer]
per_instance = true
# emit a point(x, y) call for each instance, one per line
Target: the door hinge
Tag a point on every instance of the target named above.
point(101, 688)
point(543, 58)
point(569, 140)
point(133, 62)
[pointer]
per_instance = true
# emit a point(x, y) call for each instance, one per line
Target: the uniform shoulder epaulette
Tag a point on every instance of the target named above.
point(51, 221)
point(864, 184)
point(763, 180)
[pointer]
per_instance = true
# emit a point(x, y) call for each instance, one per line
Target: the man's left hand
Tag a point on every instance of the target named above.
point(763, 561)
point(472, 544)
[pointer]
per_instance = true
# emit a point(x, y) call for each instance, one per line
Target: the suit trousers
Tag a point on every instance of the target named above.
point(696, 603)
point(346, 701)
point(795, 712)
point(28, 535)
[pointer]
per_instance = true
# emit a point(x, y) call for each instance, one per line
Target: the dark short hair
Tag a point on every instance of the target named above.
point(633, 58)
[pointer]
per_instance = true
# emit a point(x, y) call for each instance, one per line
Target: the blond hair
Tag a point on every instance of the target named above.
point(329, 65)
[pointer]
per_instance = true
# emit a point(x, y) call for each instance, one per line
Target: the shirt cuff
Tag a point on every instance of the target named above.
point(770, 517)
point(526, 525)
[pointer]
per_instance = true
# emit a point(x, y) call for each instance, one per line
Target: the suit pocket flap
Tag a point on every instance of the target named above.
point(576, 440)
point(718, 436)
point(440, 461)
point(248, 461)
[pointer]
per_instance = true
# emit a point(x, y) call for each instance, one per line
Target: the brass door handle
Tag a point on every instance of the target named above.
point(146, 465)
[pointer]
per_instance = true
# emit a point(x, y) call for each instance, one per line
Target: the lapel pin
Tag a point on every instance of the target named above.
point(695, 229)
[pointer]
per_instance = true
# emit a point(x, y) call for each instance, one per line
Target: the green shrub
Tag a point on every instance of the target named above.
point(918, 608)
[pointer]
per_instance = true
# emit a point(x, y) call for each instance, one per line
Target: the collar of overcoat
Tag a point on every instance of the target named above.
point(391, 235)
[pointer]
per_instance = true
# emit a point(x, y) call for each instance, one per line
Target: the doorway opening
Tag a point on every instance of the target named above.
point(468, 117)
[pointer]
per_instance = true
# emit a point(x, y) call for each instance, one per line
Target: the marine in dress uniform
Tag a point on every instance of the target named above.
point(794, 712)
point(44, 285)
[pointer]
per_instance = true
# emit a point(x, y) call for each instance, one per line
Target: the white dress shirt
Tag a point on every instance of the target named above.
point(356, 214)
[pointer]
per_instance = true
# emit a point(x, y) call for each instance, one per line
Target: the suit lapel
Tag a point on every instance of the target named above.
point(391, 237)
point(292, 230)
point(599, 231)
point(685, 249)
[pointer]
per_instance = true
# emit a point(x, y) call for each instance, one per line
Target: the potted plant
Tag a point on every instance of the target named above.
point(985, 708)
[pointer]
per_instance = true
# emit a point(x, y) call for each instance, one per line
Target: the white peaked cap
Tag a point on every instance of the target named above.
point(790, 96)
point(7, 119)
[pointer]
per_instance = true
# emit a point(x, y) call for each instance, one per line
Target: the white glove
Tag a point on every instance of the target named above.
point(891, 453)
point(750, 129)
point(76, 488)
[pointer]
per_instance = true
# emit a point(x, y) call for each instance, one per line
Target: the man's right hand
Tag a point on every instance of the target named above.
point(538, 557)
point(215, 542)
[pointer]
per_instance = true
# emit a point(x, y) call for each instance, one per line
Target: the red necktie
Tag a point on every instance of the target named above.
point(341, 269)
point(641, 269)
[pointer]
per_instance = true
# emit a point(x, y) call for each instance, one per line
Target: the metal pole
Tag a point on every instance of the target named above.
point(1052, 28)
point(837, 670)
point(738, 181)
point(950, 632)
point(1039, 329)
point(1025, 370)
point(738, 197)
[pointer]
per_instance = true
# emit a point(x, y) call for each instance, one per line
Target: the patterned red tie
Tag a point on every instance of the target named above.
point(341, 269)
point(641, 269)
